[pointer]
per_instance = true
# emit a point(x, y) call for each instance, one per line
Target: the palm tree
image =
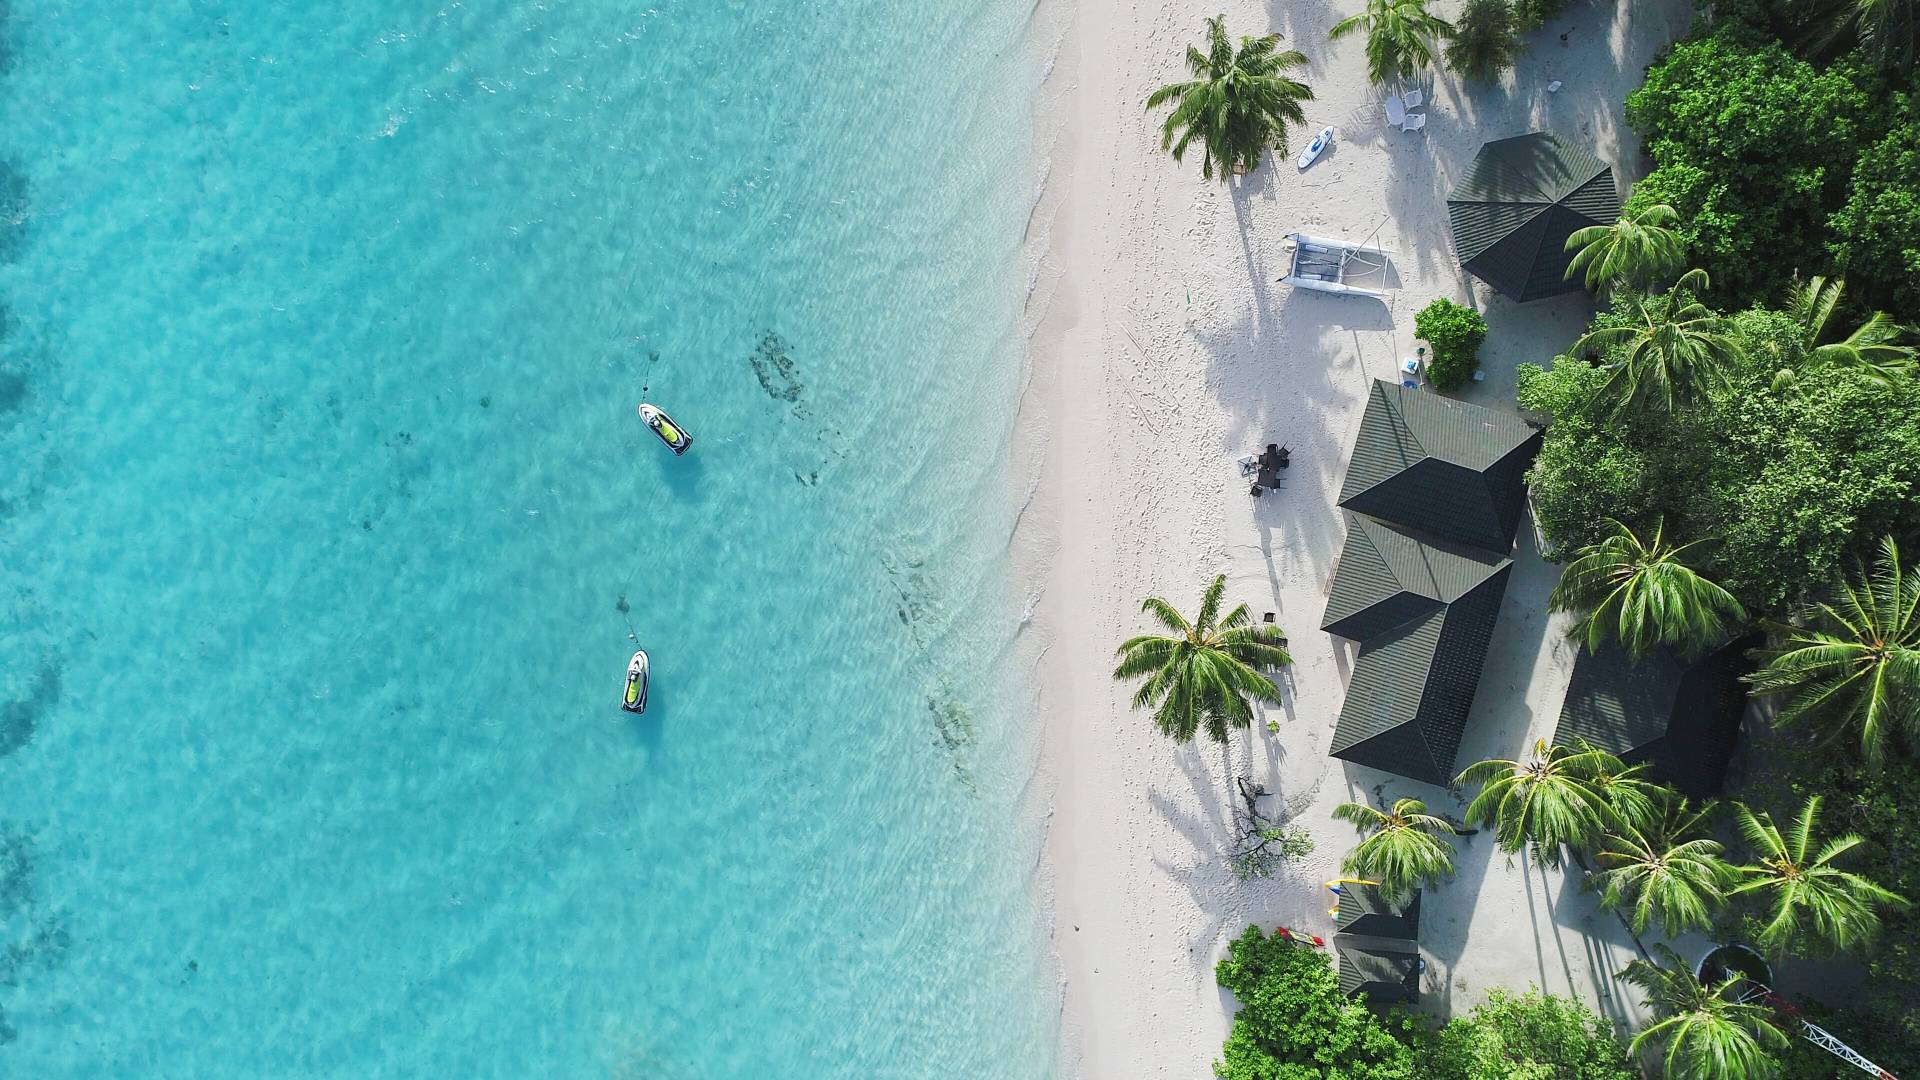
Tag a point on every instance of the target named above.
point(1206, 673)
point(1401, 36)
point(1667, 870)
point(1886, 30)
point(1811, 899)
point(1548, 802)
point(1671, 349)
point(1238, 103)
point(1638, 248)
point(1633, 802)
point(1708, 1033)
point(1485, 42)
point(1851, 664)
point(1402, 849)
point(1878, 347)
point(1643, 594)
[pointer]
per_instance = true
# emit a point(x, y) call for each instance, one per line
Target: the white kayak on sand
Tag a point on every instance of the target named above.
point(1317, 147)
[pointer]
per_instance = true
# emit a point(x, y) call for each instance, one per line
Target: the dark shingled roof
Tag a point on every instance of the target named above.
point(1680, 718)
point(1412, 686)
point(1365, 912)
point(1519, 201)
point(1440, 466)
point(1386, 978)
point(1387, 577)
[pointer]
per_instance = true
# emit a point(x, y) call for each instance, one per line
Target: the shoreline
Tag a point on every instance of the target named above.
point(1156, 311)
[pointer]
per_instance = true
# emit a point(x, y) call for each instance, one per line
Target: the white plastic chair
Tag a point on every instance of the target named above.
point(1415, 121)
point(1414, 99)
point(1396, 111)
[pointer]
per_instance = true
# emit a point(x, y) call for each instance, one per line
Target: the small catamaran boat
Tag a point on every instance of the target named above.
point(1315, 148)
point(1331, 265)
point(672, 434)
point(636, 699)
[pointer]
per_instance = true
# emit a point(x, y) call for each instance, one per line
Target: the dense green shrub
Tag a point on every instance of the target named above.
point(1295, 1024)
point(1753, 147)
point(1786, 483)
point(1876, 235)
point(1455, 333)
point(1530, 1036)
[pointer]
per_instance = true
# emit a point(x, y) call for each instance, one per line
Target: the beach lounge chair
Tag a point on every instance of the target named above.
point(1415, 121)
point(1396, 111)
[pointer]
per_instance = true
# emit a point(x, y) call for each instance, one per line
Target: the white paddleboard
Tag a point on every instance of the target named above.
point(1317, 147)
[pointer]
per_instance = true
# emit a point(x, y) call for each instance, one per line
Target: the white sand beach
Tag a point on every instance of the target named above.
point(1166, 349)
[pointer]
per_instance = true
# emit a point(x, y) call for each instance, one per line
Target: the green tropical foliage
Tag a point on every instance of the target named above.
point(1486, 41)
point(1753, 147)
point(1402, 849)
point(1642, 593)
point(1703, 1032)
point(1811, 903)
point(1672, 350)
point(1638, 249)
point(1530, 1036)
point(1887, 31)
point(1789, 487)
point(1455, 331)
point(1668, 871)
point(1632, 800)
point(1875, 234)
point(1879, 347)
point(1546, 804)
point(1882, 1017)
point(1238, 105)
point(1294, 1022)
point(1401, 37)
point(1209, 670)
point(1850, 664)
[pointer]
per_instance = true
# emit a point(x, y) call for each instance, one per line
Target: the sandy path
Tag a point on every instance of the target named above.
point(1166, 349)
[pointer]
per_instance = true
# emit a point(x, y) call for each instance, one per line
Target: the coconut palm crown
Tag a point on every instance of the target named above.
point(1879, 347)
point(1401, 37)
point(1548, 803)
point(1238, 104)
point(1638, 248)
point(1810, 900)
point(1671, 349)
point(1668, 871)
point(1205, 674)
point(1402, 849)
point(1642, 594)
point(1705, 1031)
point(1851, 663)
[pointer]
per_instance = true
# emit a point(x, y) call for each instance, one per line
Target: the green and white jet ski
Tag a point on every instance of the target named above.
point(672, 434)
point(636, 699)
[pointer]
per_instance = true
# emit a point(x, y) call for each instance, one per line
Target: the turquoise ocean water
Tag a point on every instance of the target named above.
point(325, 520)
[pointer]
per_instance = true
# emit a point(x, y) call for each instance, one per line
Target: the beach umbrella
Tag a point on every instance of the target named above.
point(1519, 201)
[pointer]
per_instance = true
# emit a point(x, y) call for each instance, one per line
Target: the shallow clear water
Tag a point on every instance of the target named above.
point(325, 519)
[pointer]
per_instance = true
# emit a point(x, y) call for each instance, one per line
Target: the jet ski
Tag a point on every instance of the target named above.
point(636, 699)
point(1316, 147)
point(672, 434)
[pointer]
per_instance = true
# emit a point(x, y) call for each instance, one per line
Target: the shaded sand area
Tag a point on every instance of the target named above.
point(1165, 349)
